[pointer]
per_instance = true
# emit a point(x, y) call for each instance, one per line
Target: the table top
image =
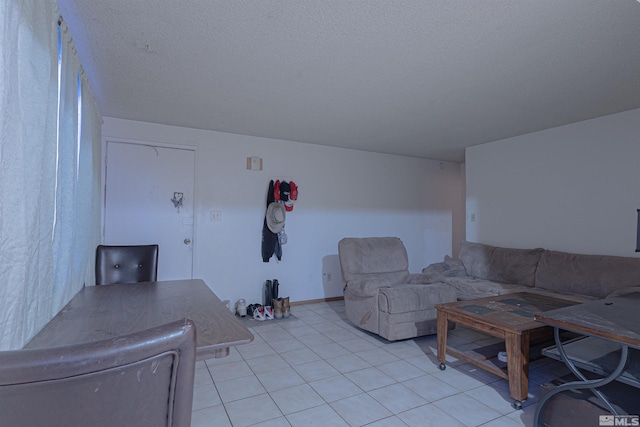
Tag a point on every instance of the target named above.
point(513, 311)
point(100, 312)
point(615, 319)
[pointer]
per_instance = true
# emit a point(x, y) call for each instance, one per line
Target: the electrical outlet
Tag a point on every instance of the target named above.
point(216, 215)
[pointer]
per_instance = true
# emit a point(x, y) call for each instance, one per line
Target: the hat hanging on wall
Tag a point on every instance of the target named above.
point(293, 196)
point(284, 188)
point(275, 216)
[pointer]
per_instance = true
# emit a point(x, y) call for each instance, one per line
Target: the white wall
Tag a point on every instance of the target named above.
point(342, 193)
point(574, 188)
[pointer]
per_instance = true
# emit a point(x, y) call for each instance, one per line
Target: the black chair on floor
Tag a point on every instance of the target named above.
point(126, 264)
point(141, 379)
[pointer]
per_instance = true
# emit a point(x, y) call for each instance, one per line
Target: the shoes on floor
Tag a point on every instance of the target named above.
point(250, 309)
point(241, 307)
point(258, 313)
point(277, 308)
point(268, 312)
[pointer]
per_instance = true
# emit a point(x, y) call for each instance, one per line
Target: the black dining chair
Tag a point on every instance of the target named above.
point(141, 379)
point(126, 264)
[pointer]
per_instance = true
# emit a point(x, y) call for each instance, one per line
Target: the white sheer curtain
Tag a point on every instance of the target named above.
point(88, 188)
point(65, 279)
point(45, 229)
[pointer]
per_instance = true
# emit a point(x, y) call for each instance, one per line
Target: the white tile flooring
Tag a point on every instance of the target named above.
point(320, 370)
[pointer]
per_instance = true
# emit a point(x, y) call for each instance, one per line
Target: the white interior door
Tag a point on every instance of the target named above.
point(149, 200)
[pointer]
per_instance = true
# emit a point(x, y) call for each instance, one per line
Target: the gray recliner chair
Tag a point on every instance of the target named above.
point(380, 294)
point(141, 379)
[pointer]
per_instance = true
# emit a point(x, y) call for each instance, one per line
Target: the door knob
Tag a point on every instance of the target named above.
point(187, 241)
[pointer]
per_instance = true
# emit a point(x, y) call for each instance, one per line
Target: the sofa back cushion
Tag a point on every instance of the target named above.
point(373, 256)
point(476, 258)
point(593, 275)
point(503, 265)
point(516, 266)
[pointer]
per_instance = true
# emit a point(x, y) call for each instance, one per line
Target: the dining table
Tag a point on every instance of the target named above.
point(100, 312)
point(609, 346)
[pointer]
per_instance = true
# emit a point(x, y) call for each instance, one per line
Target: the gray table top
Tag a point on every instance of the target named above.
point(614, 319)
point(100, 312)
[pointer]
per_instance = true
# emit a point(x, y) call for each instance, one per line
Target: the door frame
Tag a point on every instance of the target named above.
point(103, 181)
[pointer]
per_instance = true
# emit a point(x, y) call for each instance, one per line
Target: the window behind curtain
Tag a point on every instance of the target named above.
point(75, 230)
point(49, 152)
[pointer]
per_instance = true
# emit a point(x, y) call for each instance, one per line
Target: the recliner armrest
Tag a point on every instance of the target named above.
point(367, 287)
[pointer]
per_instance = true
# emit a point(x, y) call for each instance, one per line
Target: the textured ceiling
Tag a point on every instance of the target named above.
point(422, 78)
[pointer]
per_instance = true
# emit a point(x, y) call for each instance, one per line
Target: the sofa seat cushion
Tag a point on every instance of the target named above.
point(414, 297)
point(562, 295)
point(625, 291)
point(471, 287)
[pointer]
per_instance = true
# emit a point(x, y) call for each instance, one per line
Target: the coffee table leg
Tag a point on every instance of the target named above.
point(443, 324)
point(517, 347)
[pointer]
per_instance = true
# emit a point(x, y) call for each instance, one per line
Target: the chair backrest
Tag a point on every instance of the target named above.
point(141, 379)
point(126, 264)
point(373, 256)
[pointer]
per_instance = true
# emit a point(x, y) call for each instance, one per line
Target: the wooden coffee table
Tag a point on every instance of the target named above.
point(509, 317)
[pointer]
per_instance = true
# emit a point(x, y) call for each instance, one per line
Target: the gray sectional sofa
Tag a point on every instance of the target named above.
point(484, 270)
point(382, 297)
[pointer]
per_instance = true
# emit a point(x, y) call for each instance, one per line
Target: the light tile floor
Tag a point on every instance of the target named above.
point(320, 370)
